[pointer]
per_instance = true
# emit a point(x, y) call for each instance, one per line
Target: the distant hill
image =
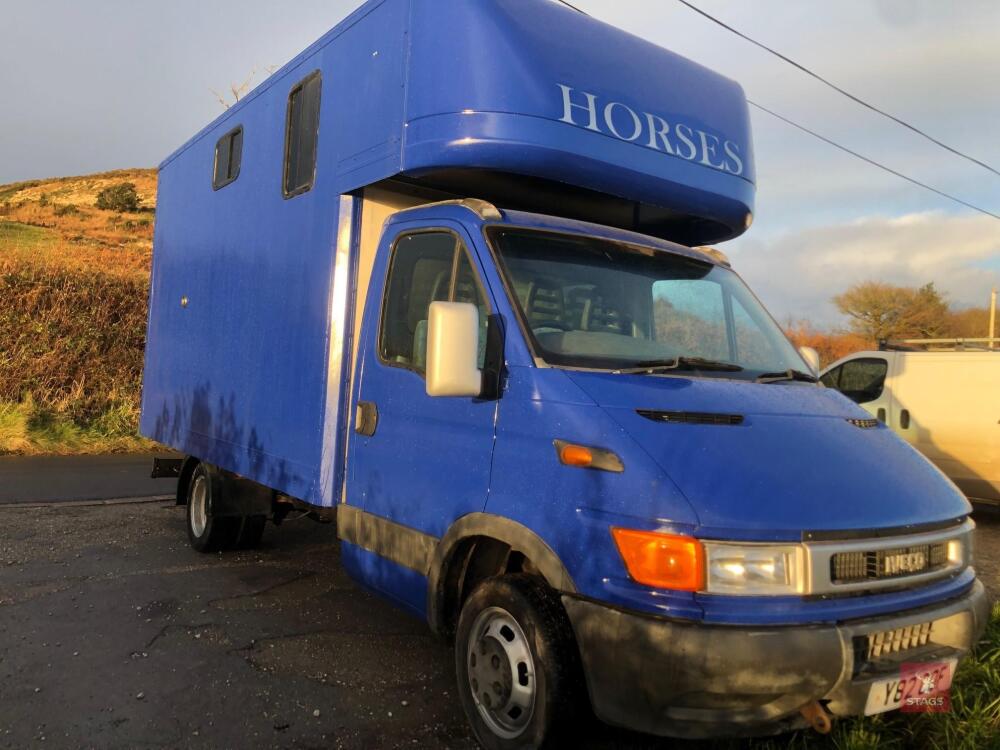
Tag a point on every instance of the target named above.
point(74, 284)
point(56, 220)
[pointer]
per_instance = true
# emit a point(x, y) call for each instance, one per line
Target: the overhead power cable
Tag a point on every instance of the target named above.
point(838, 89)
point(874, 163)
point(831, 142)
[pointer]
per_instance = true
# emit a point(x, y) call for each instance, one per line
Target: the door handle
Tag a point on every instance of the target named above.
point(366, 418)
point(881, 415)
point(904, 419)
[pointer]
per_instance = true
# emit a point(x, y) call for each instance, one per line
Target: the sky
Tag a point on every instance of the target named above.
point(107, 84)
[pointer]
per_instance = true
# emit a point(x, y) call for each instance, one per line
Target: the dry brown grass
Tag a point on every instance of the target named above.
point(82, 190)
point(81, 236)
point(73, 295)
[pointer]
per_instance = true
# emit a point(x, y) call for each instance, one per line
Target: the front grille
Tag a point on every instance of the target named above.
point(851, 567)
point(890, 642)
point(864, 424)
point(691, 417)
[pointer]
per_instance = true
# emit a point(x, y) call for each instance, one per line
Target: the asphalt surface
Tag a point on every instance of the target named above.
point(114, 633)
point(40, 479)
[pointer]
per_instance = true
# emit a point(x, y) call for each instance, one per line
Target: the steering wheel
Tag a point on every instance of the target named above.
point(557, 325)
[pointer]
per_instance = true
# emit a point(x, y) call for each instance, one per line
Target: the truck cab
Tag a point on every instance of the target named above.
point(622, 448)
point(468, 317)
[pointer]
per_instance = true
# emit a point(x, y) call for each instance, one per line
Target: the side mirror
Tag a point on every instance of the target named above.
point(811, 356)
point(453, 350)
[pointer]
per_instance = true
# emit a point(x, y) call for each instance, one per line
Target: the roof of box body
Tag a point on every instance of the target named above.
point(530, 104)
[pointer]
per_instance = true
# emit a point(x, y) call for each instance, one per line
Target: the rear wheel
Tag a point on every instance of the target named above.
point(207, 532)
point(518, 669)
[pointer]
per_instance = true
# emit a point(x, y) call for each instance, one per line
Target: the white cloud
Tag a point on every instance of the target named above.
point(797, 273)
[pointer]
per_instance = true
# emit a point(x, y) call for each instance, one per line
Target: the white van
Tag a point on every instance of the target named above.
point(944, 403)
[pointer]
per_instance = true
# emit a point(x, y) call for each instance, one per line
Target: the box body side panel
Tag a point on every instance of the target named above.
point(245, 304)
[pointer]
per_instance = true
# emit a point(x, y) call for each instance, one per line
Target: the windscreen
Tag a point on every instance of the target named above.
point(592, 303)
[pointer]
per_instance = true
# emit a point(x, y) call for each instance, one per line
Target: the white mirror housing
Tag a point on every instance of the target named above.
point(453, 350)
point(811, 356)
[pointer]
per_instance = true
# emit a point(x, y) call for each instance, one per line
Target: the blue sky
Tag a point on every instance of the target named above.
point(117, 83)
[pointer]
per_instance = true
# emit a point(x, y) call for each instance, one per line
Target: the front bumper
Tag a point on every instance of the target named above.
point(693, 680)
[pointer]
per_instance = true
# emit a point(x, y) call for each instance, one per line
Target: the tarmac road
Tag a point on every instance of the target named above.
point(115, 633)
point(41, 479)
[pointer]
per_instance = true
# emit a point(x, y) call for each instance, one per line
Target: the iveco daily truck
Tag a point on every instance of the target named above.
point(440, 277)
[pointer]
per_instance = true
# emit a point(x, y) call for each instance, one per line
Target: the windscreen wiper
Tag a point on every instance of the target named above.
point(786, 376)
point(653, 366)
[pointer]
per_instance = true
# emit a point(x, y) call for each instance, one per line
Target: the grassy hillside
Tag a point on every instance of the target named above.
point(74, 281)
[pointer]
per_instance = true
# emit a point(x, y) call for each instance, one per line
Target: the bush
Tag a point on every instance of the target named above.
point(121, 197)
point(72, 342)
point(67, 210)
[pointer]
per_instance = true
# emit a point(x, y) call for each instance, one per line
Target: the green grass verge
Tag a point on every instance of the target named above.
point(23, 235)
point(972, 724)
point(29, 429)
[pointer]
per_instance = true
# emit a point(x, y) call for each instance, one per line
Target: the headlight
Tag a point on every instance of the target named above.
point(754, 569)
point(957, 554)
point(683, 563)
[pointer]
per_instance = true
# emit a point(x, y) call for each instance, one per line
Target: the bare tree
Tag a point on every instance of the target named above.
point(238, 90)
point(883, 311)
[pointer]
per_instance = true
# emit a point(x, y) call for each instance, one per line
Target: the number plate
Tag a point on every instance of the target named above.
point(915, 682)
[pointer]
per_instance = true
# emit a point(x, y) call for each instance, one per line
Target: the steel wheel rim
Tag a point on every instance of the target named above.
point(199, 506)
point(501, 673)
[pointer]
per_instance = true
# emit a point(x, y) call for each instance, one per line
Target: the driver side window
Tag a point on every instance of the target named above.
point(425, 267)
point(832, 378)
point(861, 380)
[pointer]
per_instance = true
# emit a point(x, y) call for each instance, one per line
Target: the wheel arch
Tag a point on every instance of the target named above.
point(477, 544)
point(184, 478)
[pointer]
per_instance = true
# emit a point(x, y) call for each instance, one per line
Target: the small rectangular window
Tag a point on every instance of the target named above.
point(228, 157)
point(302, 135)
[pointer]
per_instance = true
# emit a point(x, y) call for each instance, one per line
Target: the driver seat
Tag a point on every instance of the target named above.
point(545, 303)
point(605, 317)
point(439, 293)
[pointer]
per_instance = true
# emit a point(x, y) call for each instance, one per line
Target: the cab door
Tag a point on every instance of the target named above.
point(415, 463)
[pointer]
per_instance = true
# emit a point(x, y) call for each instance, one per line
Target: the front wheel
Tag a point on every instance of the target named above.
point(519, 677)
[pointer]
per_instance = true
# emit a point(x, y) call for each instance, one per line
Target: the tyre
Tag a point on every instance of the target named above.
point(519, 675)
point(207, 532)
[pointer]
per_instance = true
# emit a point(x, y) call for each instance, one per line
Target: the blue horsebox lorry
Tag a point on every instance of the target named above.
point(440, 277)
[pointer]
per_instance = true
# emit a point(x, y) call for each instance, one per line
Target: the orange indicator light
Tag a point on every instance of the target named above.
point(576, 455)
point(664, 561)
